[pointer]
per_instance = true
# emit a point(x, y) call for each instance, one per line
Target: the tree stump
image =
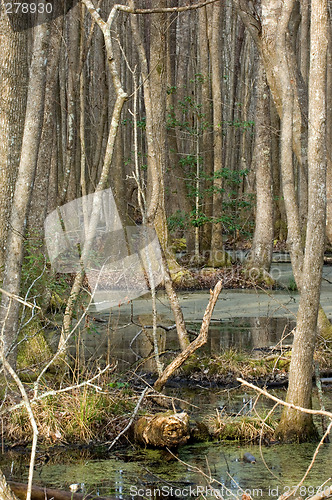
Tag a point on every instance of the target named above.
point(163, 430)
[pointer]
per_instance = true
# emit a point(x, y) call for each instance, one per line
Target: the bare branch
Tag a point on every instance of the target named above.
point(159, 10)
point(54, 392)
point(291, 493)
point(26, 403)
point(19, 299)
point(131, 418)
point(284, 403)
point(195, 344)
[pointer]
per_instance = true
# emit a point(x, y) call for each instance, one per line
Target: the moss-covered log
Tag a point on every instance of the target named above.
point(163, 430)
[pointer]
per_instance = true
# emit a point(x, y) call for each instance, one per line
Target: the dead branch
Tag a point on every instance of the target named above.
point(159, 10)
point(325, 413)
point(327, 432)
point(209, 478)
point(131, 418)
point(7, 366)
point(19, 299)
point(326, 493)
point(284, 403)
point(195, 344)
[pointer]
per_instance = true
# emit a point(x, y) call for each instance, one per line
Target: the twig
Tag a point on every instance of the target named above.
point(260, 441)
point(200, 471)
point(131, 418)
point(156, 394)
point(320, 397)
point(326, 493)
point(159, 10)
point(284, 403)
point(27, 405)
point(19, 299)
point(304, 410)
point(283, 497)
point(36, 398)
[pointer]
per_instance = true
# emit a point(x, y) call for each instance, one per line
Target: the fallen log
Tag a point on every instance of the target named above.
point(38, 493)
point(163, 430)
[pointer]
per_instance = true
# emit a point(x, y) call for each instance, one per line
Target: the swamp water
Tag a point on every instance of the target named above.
point(145, 473)
point(244, 320)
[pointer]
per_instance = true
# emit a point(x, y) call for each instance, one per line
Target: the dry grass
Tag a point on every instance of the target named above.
point(232, 364)
point(79, 416)
point(244, 429)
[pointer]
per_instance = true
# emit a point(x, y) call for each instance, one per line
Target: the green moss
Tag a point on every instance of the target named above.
point(179, 245)
point(245, 429)
point(184, 279)
point(234, 363)
point(33, 351)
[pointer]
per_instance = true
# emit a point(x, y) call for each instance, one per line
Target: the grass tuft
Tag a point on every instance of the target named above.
point(80, 416)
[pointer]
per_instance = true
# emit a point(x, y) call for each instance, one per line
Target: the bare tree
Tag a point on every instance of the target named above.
point(261, 251)
point(294, 424)
point(217, 256)
point(23, 187)
point(13, 81)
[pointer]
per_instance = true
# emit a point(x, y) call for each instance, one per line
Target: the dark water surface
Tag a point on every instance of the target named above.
point(241, 320)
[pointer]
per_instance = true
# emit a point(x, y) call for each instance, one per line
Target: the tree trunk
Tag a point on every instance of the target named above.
point(217, 253)
point(103, 179)
point(23, 188)
point(13, 83)
point(329, 140)
point(261, 251)
point(205, 120)
point(295, 425)
point(39, 198)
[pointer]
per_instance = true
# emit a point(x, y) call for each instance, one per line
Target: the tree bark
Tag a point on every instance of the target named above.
point(23, 188)
point(13, 89)
point(295, 425)
point(217, 253)
point(39, 199)
point(261, 251)
point(273, 40)
point(205, 120)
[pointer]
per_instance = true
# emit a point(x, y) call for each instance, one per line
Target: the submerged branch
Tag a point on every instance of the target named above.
point(195, 344)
